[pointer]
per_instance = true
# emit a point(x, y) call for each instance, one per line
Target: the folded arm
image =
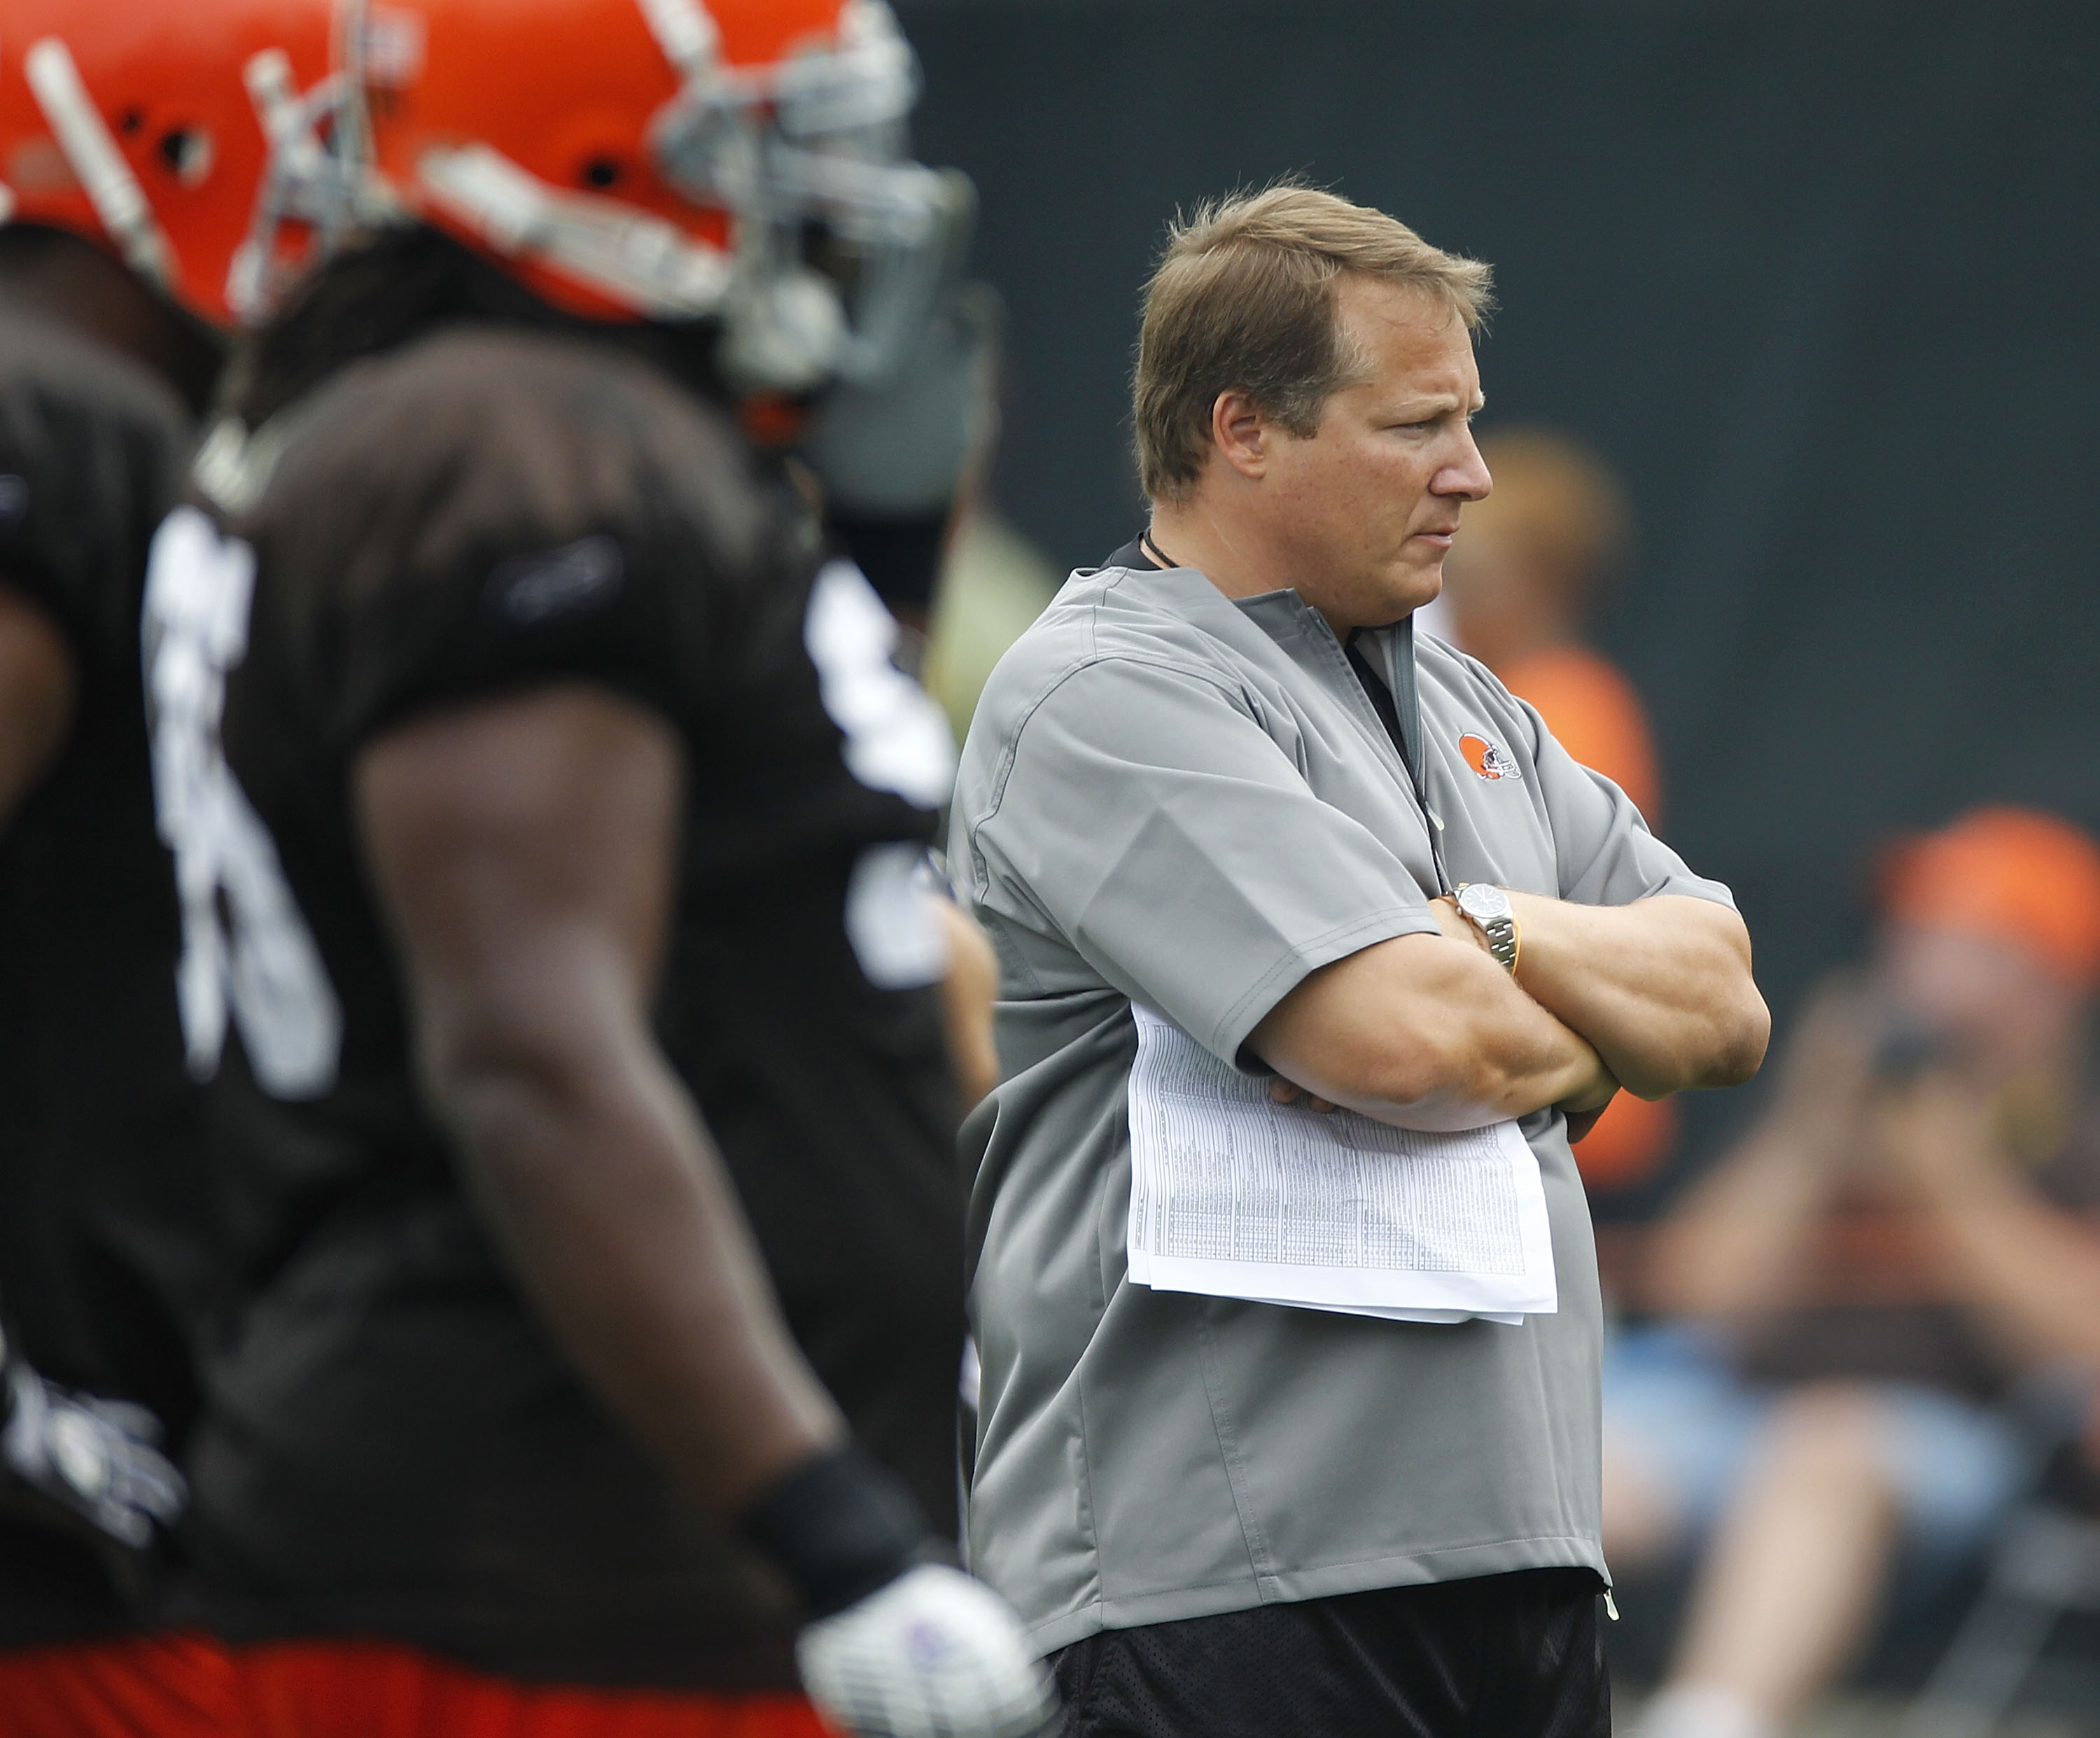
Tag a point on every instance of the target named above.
point(1424, 1031)
point(1661, 988)
point(524, 851)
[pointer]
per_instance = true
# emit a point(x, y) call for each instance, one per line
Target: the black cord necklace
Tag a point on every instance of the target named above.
point(1159, 554)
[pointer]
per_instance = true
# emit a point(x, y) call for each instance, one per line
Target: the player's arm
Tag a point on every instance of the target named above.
point(525, 851)
point(127, 1488)
point(36, 695)
point(1426, 1031)
point(1661, 988)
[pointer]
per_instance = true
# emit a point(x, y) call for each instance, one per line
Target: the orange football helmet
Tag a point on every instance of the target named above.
point(173, 135)
point(673, 160)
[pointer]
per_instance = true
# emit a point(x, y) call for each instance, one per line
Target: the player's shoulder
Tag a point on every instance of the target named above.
point(52, 374)
point(473, 441)
point(92, 447)
point(504, 390)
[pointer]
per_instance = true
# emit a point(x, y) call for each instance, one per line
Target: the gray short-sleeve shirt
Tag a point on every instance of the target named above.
point(1173, 797)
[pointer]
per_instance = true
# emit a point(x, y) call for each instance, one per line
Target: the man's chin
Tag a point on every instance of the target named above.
point(1391, 596)
point(1410, 588)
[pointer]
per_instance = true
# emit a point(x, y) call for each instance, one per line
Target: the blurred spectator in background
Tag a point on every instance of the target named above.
point(994, 584)
point(1520, 588)
point(1900, 1241)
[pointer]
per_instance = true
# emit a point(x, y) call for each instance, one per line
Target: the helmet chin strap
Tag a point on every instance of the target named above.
point(119, 203)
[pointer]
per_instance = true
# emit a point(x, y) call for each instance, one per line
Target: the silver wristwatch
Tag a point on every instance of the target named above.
point(1488, 908)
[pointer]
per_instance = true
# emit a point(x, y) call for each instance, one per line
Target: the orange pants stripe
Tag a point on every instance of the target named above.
point(374, 1689)
point(183, 1686)
point(172, 1685)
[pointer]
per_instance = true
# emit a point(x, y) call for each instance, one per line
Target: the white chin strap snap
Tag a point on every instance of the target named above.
point(91, 152)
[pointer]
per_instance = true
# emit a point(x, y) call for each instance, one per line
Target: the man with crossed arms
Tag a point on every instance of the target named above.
point(1220, 778)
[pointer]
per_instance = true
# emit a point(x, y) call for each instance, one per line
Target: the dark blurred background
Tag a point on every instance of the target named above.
point(1821, 279)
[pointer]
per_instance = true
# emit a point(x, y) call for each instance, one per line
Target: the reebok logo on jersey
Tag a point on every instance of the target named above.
point(529, 589)
point(1487, 758)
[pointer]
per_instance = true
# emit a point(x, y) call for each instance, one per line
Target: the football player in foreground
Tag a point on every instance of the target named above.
point(134, 154)
point(550, 822)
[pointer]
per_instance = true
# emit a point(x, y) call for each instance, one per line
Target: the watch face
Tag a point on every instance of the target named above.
point(1484, 902)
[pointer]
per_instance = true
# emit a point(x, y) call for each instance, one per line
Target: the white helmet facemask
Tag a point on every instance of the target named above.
point(318, 174)
point(816, 142)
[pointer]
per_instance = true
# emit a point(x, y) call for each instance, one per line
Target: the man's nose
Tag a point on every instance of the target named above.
point(1467, 476)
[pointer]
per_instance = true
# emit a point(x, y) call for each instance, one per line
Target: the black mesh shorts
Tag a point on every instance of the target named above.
point(1517, 1655)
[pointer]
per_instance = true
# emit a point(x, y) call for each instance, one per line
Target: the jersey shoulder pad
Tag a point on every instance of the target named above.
point(484, 508)
point(404, 469)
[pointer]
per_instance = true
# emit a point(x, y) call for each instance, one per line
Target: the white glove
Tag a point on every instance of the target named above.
point(90, 1458)
point(933, 1654)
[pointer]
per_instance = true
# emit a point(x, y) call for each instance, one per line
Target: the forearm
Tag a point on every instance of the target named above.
point(1515, 1069)
point(2032, 1266)
point(1661, 988)
point(1732, 1247)
point(606, 1194)
point(525, 850)
point(1424, 1032)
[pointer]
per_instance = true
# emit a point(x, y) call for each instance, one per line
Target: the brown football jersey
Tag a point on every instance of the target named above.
point(392, 1445)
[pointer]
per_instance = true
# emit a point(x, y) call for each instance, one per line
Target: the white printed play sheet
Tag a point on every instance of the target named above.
point(1234, 1196)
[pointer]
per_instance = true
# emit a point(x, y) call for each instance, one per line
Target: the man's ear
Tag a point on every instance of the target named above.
point(1240, 433)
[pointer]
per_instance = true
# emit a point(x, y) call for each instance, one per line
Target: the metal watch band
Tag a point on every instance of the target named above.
point(1498, 927)
point(1500, 932)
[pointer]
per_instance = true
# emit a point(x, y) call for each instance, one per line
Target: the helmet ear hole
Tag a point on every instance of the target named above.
point(600, 172)
point(187, 150)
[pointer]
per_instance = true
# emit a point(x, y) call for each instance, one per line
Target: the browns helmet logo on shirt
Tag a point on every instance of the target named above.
point(1487, 758)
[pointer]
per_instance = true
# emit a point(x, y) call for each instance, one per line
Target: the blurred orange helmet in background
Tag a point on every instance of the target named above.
point(2018, 875)
point(145, 127)
point(675, 160)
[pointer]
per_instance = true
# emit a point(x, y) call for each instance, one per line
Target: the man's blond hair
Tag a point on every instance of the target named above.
point(1244, 300)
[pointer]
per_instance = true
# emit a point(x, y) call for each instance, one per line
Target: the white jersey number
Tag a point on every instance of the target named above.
point(897, 739)
point(245, 945)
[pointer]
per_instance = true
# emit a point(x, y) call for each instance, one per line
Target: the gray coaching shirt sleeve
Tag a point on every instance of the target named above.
point(1145, 817)
point(1605, 853)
